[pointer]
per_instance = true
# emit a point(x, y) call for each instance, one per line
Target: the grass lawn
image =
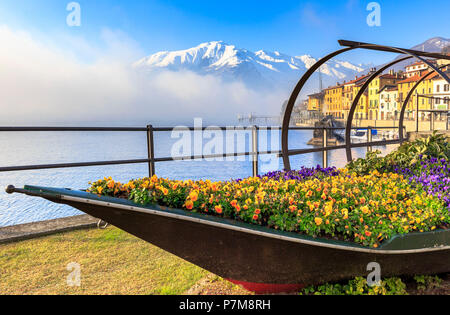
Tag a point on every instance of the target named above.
point(112, 262)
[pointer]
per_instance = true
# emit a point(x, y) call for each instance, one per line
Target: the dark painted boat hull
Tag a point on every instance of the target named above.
point(254, 254)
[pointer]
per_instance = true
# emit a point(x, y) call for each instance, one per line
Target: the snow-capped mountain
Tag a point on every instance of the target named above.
point(435, 45)
point(256, 69)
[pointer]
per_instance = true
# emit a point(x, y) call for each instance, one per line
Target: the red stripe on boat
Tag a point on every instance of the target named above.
point(264, 288)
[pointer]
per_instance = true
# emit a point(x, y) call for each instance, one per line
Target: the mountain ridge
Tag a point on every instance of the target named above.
point(257, 69)
point(263, 68)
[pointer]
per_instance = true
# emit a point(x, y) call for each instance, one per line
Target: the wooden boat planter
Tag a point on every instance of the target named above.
point(261, 259)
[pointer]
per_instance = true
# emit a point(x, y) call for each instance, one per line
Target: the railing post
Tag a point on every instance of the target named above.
point(325, 145)
point(431, 121)
point(255, 150)
point(446, 119)
point(151, 151)
point(369, 138)
point(417, 113)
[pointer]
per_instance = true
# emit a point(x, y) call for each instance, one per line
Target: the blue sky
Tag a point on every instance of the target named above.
point(55, 74)
point(292, 27)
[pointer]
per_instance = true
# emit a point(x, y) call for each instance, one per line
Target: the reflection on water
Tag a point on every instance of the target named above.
point(46, 148)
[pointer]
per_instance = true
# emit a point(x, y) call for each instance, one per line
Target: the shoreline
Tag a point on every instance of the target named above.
point(21, 232)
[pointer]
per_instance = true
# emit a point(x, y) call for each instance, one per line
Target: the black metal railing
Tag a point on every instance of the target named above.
point(151, 160)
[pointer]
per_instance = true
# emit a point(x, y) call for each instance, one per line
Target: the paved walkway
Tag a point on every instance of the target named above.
point(32, 230)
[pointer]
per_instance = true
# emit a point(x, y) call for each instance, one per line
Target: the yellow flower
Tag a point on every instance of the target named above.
point(193, 196)
point(189, 205)
point(365, 209)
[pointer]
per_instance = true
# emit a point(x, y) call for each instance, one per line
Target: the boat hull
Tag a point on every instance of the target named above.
point(259, 259)
point(257, 255)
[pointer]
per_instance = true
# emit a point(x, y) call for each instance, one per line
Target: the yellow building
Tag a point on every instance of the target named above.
point(424, 88)
point(374, 92)
point(363, 105)
point(350, 92)
point(333, 104)
point(315, 102)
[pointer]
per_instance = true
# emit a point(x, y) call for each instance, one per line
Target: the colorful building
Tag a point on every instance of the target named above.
point(316, 101)
point(333, 104)
point(374, 92)
point(416, 68)
point(389, 108)
point(419, 98)
point(351, 90)
point(363, 104)
point(441, 89)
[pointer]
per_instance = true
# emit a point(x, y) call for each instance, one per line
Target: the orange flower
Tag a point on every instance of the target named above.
point(318, 221)
point(368, 234)
point(100, 190)
point(365, 209)
point(257, 211)
point(219, 209)
point(255, 217)
point(193, 196)
point(234, 203)
point(189, 205)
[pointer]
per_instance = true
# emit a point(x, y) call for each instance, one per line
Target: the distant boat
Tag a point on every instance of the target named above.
point(360, 135)
point(261, 259)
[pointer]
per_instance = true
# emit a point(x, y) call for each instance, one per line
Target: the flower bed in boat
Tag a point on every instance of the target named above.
point(365, 209)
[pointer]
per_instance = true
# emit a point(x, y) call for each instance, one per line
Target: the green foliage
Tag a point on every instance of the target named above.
point(427, 282)
point(373, 161)
point(359, 286)
point(388, 286)
point(435, 146)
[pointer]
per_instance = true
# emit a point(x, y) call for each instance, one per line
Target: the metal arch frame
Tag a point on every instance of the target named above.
point(408, 97)
point(410, 55)
point(290, 106)
point(348, 140)
point(308, 74)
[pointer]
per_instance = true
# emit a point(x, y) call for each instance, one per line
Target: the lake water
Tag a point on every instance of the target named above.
point(54, 147)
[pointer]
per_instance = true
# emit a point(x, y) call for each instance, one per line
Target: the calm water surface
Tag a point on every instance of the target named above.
point(46, 148)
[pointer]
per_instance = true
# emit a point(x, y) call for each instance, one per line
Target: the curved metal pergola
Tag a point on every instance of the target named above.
point(408, 97)
point(352, 46)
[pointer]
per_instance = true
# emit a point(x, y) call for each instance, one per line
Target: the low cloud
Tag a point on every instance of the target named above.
point(44, 84)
